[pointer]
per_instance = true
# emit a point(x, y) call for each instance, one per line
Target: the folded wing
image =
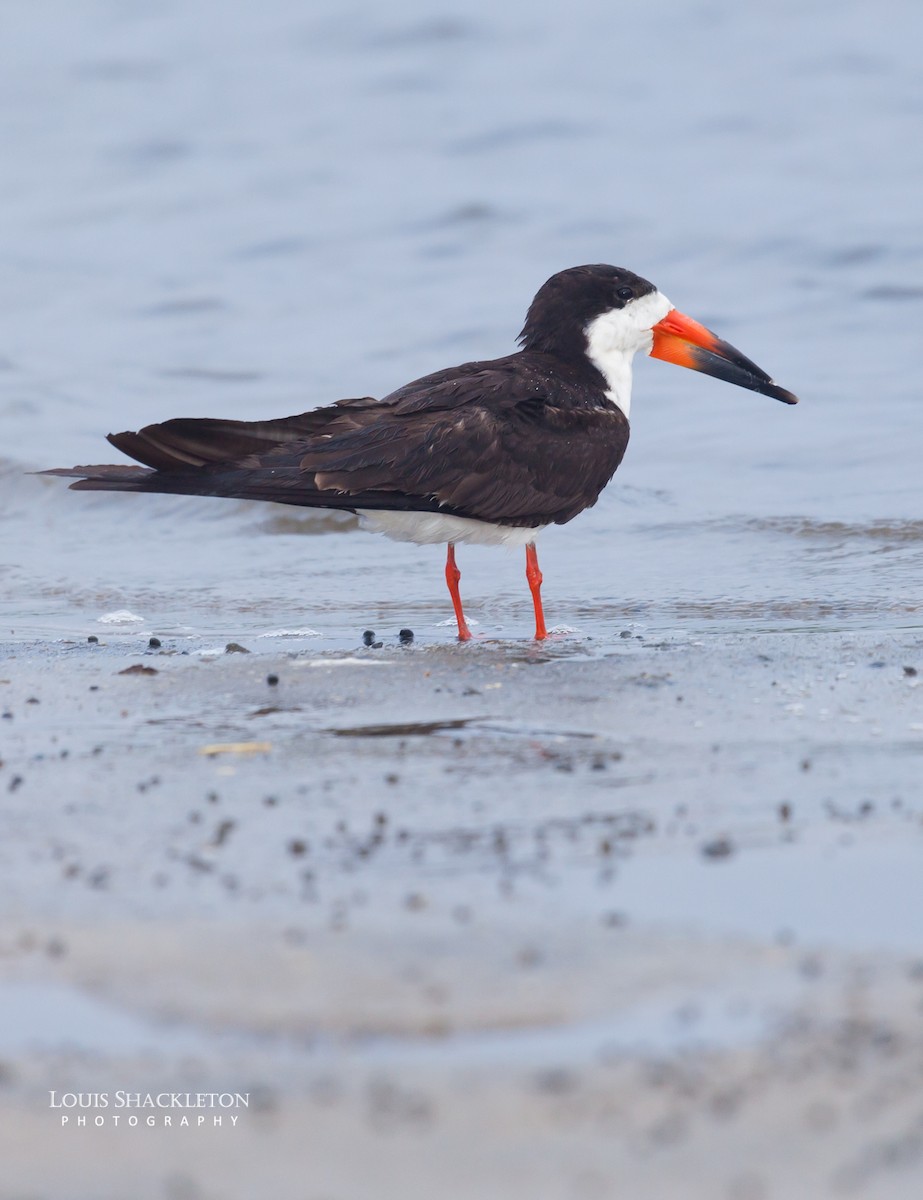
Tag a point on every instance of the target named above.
point(485, 442)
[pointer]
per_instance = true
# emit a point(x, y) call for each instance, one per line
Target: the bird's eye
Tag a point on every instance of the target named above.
point(625, 293)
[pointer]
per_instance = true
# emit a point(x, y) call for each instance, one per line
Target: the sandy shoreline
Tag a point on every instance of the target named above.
point(616, 921)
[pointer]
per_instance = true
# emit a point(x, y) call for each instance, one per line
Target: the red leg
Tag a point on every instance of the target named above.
point(534, 576)
point(452, 576)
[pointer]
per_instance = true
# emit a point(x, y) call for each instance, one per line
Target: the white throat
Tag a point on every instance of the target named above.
point(615, 337)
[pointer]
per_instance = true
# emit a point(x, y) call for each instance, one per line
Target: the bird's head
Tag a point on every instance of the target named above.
point(609, 314)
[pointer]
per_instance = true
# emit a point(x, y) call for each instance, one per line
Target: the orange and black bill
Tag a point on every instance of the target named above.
point(678, 339)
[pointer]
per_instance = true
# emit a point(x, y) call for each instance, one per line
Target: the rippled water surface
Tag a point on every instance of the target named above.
point(248, 210)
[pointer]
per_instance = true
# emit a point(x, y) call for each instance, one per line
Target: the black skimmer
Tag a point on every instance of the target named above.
point(487, 452)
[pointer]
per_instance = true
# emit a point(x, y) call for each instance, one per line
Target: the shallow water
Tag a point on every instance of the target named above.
point(238, 210)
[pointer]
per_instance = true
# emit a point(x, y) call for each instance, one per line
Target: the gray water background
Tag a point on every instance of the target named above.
point(241, 210)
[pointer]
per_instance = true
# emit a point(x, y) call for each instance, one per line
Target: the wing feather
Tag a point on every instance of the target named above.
point(516, 441)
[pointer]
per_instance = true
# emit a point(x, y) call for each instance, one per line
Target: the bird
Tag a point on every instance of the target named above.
point(489, 452)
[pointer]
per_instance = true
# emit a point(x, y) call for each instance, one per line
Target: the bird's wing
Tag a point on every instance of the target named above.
point(492, 441)
point(488, 442)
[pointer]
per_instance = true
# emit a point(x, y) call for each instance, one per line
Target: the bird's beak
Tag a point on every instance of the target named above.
point(678, 339)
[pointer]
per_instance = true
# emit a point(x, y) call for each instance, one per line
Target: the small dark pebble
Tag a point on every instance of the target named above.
point(154, 644)
point(223, 832)
point(139, 669)
point(272, 680)
point(368, 637)
point(878, 663)
point(785, 812)
point(910, 672)
point(235, 648)
point(406, 636)
point(15, 782)
point(33, 700)
point(719, 848)
point(626, 633)
point(93, 639)
point(297, 847)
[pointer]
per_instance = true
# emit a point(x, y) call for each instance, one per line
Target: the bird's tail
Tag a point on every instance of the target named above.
point(107, 478)
point(175, 452)
point(203, 457)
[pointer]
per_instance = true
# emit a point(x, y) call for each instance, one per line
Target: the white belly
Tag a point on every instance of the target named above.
point(428, 529)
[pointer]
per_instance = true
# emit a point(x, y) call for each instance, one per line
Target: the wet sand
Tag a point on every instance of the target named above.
point(495, 920)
